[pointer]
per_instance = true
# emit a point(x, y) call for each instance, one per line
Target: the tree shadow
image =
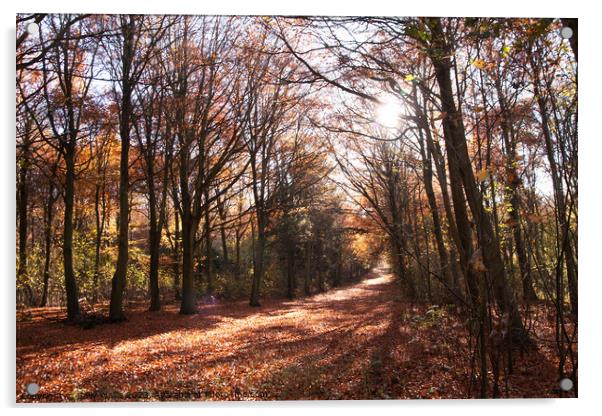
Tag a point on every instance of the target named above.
point(142, 323)
point(358, 342)
point(338, 312)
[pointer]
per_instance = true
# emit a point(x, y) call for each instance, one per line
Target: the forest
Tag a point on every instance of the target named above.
point(281, 208)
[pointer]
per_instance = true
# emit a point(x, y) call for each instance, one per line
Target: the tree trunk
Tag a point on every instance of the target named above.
point(307, 275)
point(48, 218)
point(427, 175)
point(433, 148)
point(154, 245)
point(176, 258)
point(188, 305)
point(189, 224)
point(23, 195)
point(208, 249)
point(290, 274)
point(338, 269)
point(319, 268)
point(100, 216)
point(222, 231)
point(73, 311)
point(513, 181)
point(559, 195)
point(119, 278)
point(455, 139)
point(237, 254)
point(258, 265)
point(396, 227)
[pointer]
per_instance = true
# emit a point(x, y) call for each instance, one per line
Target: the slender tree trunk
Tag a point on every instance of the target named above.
point(427, 244)
point(319, 264)
point(23, 195)
point(154, 245)
point(338, 269)
point(222, 231)
point(208, 249)
point(259, 188)
point(100, 215)
point(427, 175)
point(73, 311)
point(412, 223)
point(290, 274)
point(559, 194)
point(48, 218)
point(118, 283)
point(176, 256)
point(435, 150)
point(258, 269)
point(513, 181)
point(307, 275)
point(237, 254)
point(455, 138)
point(97, 240)
point(396, 227)
point(464, 230)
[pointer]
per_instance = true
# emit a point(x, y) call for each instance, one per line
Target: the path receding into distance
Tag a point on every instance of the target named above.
point(362, 341)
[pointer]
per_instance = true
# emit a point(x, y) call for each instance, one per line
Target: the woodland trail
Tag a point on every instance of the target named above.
point(362, 342)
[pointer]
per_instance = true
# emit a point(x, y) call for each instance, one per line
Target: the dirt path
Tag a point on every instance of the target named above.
point(357, 342)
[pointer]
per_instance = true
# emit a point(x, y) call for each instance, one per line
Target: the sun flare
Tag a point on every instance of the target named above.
point(389, 111)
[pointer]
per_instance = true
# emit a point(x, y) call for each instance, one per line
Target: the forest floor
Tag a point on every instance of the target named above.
point(358, 342)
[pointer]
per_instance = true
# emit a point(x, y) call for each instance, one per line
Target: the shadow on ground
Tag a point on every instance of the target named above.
point(357, 342)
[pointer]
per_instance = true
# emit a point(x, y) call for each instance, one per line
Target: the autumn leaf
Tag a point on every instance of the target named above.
point(478, 63)
point(534, 218)
point(512, 177)
point(482, 175)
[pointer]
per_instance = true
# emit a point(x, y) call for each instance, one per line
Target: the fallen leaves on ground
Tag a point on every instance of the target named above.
point(358, 342)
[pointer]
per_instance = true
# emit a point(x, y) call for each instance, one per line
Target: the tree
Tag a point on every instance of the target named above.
point(204, 94)
point(66, 84)
point(267, 106)
point(133, 32)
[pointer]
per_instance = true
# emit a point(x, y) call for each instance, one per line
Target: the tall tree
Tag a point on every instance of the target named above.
point(68, 71)
point(131, 33)
point(205, 95)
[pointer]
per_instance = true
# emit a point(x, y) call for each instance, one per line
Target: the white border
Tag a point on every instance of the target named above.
point(590, 185)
